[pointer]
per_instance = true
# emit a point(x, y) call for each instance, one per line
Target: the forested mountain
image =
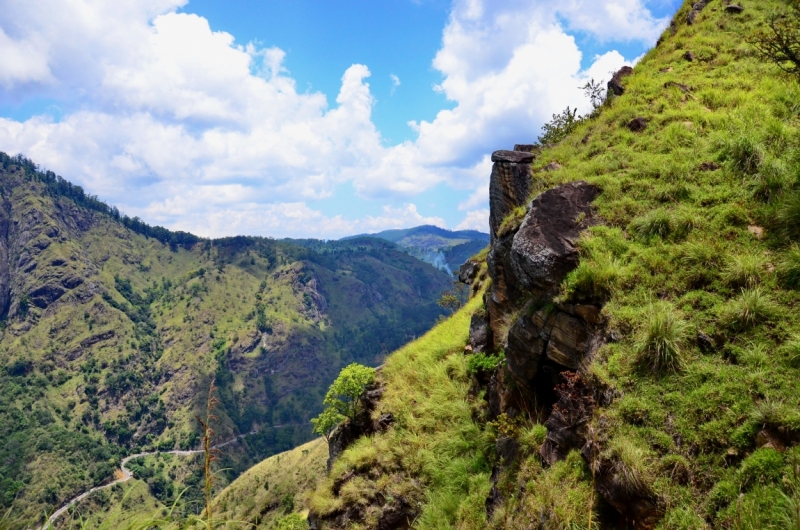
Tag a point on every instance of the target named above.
point(112, 331)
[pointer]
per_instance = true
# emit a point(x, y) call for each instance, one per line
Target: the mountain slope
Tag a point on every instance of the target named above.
point(637, 348)
point(111, 338)
point(445, 249)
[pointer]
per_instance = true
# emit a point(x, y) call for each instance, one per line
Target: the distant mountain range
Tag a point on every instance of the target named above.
point(444, 249)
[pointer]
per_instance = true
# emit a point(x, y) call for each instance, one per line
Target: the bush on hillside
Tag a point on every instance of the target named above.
point(780, 41)
point(560, 126)
point(342, 400)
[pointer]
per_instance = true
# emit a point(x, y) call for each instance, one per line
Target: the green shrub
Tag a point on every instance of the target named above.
point(744, 153)
point(479, 363)
point(791, 350)
point(750, 308)
point(701, 259)
point(342, 400)
point(661, 340)
point(293, 521)
point(630, 464)
point(764, 466)
point(789, 268)
point(683, 518)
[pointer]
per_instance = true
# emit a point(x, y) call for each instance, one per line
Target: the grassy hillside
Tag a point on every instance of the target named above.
point(697, 260)
point(270, 492)
point(110, 338)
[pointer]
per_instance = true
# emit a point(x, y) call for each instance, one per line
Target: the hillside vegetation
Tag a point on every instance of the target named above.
point(111, 331)
point(684, 412)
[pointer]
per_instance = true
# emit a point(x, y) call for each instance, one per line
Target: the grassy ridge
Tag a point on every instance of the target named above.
point(432, 459)
point(698, 258)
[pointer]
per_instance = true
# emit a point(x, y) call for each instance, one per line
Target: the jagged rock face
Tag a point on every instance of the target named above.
point(509, 185)
point(543, 250)
point(5, 272)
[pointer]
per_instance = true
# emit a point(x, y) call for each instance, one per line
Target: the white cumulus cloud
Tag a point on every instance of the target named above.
point(183, 126)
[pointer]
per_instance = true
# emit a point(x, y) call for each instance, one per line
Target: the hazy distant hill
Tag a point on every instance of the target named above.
point(445, 249)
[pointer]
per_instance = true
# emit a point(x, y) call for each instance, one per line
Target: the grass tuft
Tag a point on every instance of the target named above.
point(789, 268)
point(787, 219)
point(751, 307)
point(744, 270)
point(662, 340)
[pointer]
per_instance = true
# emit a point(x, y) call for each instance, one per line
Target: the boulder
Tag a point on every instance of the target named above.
point(528, 148)
point(468, 271)
point(733, 8)
point(480, 334)
point(696, 8)
point(637, 124)
point(513, 157)
point(552, 166)
point(615, 85)
point(509, 185)
point(689, 56)
point(543, 250)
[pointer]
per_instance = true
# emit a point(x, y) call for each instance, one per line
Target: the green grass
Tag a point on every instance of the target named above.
point(434, 455)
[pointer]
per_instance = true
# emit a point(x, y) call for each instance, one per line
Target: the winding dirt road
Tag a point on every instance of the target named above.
point(127, 475)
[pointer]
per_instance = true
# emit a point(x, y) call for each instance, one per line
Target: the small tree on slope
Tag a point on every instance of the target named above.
point(342, 400)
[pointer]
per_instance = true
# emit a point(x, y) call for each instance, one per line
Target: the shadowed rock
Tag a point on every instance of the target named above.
point(733, 8)
point(468, 271)
point(637, 124)
point(543, 250)
point(689, 56)
point(615, 86)
point(696, 8)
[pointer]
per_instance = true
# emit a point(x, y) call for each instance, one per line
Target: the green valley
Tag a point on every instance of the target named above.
point(112, 331)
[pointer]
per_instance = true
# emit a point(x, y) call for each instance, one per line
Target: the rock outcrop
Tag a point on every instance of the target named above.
point(509, 186)
point(615, 85)
point(546, 341)
point(697, 7)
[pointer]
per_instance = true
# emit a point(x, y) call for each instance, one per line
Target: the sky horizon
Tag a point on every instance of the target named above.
point(300, 118)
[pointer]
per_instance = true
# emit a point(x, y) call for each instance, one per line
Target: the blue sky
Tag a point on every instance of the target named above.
point(291, 117)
